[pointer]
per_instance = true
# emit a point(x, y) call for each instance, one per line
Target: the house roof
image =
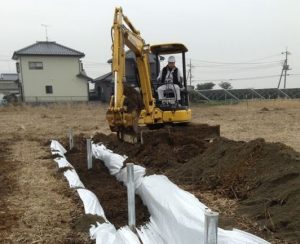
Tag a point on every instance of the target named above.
point(107, 77)
point(47, 49)
point(84, 76)
point(9, 76)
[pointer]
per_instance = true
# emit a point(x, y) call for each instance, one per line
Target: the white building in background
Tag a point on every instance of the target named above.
point(51, 72)
point(9, 84)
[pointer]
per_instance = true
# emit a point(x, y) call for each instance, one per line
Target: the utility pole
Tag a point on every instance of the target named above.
point(285, 68)
point(46, 31)
point(189, 76)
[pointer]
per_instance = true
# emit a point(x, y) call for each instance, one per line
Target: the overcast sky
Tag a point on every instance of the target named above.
point(227, 39)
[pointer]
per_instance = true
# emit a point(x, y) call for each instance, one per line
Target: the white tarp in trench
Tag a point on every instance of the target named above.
point(62, 162)
point(107, 234)
point(73, 179)
point(177, 216)
point(91, 203)
point(57, 148)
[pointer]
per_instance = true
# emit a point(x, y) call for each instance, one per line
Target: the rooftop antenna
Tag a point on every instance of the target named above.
point(46, 31)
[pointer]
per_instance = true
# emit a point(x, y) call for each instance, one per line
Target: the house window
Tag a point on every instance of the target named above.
point(49, 89)
point(35, 65)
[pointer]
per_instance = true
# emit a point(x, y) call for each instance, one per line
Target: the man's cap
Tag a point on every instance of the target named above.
point(171, 59)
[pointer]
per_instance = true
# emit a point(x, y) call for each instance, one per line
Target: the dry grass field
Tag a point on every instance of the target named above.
point(36, 205)
point(273, 120)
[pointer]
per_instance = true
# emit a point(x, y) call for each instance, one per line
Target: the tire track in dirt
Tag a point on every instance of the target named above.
point(8, 186)
point(39, 206)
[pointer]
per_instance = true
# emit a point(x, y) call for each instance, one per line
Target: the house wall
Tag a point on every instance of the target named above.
point(58, 72)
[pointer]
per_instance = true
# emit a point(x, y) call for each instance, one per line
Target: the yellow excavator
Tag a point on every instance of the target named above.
point(134, 109)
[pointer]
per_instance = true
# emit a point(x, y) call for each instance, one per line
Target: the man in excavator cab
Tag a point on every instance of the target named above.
point(170, 83)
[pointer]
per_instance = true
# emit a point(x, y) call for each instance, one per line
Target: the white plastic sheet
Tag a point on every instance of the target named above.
point(57, 148)
point(177, 215)
point(114, 162)
point(107, 234)
point(91, 203)
point(103, 233)
point(149, 235)
point(73, 179)
point(62, 163)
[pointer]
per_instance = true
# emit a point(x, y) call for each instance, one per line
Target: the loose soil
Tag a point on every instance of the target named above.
point(7, 218)
point(263, 179)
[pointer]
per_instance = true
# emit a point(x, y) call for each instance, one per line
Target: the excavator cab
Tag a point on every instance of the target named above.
point(171, 97)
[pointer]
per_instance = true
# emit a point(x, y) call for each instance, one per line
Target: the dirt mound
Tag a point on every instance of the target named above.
point(263, 177)
point(177, 145)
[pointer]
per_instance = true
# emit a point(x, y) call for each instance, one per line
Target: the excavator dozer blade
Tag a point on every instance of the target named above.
point(169, 134)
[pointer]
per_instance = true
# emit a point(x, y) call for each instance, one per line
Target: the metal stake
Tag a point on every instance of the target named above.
point(131, 196)
point(211, 227)
point(71, 139)
point(89, 153)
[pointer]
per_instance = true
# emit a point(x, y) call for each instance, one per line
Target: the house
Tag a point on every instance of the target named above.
point(104, 85)
point(9, 84)
point(50, 72)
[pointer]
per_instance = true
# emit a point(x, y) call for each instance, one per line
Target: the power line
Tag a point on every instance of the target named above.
point(6, 60)
point(243, 78)
point(239, 68)
point(242, 62)
point(215, 64)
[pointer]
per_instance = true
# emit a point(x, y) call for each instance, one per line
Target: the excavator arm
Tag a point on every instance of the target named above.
point(125, 34)
point(123, 118)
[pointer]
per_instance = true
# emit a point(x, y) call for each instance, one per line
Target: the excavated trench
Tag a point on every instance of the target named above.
point(111, 194)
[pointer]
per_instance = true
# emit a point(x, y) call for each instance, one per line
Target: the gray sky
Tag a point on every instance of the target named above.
point(216, 32)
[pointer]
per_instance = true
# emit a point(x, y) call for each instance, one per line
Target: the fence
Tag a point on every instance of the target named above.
point(245, 94)
point(41, 99)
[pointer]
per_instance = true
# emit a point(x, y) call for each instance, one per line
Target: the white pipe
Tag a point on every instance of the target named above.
point(71, 139)
point(131, 196)
point(211, 227)
point(89, 153)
